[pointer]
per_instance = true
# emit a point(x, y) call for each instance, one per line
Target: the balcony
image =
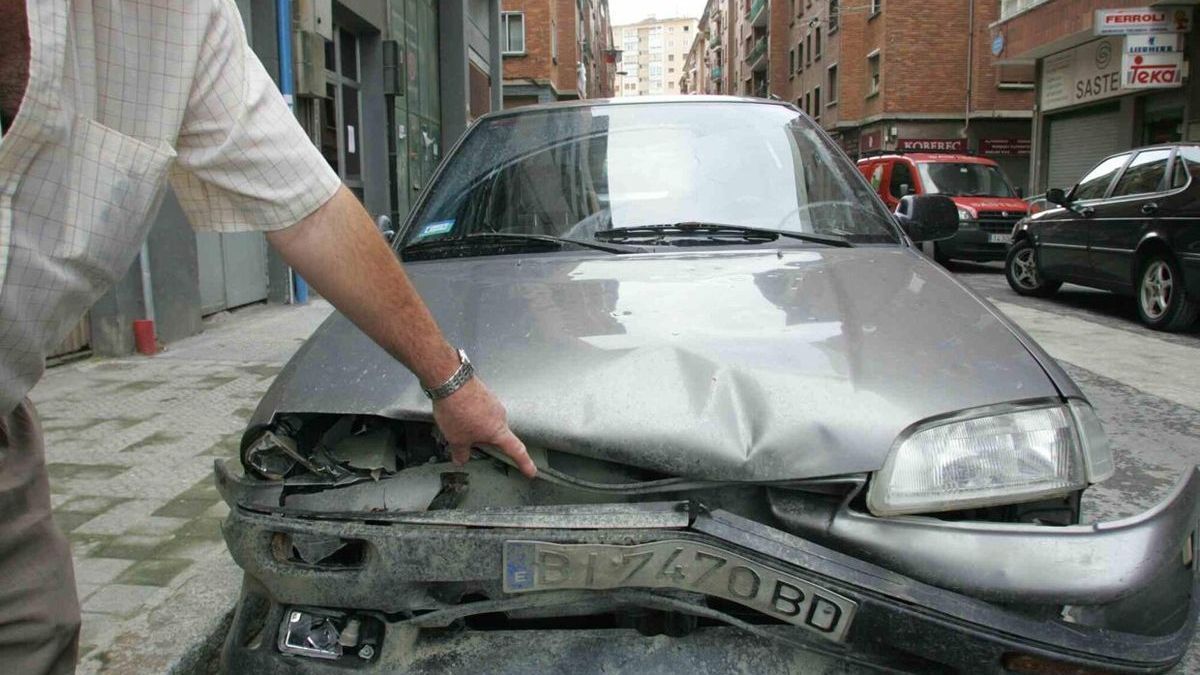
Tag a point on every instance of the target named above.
point(758, 15)
point(756, 58)
point(716, 73)
point(714, 40)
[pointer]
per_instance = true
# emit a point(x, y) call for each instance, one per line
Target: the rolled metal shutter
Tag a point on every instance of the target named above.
point(1078, 142)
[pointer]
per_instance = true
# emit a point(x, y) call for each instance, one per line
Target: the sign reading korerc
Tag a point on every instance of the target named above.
point(1089, 72)
point(1142, 20)
point(1005, 147)
point(932, 144)
point(1152, 71)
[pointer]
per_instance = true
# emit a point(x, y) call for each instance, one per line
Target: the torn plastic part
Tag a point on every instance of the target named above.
point(314, 549)
point(410, 490)
point(273, 455)
point(306, 634)
point(349, 636)
point(372, 450)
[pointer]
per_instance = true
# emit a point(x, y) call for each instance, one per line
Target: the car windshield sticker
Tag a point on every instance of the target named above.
point(440, 227)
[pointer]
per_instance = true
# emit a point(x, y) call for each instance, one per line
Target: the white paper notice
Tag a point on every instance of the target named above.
point(350, 139)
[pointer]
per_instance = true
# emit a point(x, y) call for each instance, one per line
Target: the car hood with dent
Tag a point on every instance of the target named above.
point(758, 365)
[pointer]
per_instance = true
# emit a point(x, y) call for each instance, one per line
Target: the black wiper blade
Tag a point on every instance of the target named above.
point(713, 230)
point(519, 236)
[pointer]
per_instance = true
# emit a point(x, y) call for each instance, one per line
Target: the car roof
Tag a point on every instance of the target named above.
point(635, 100)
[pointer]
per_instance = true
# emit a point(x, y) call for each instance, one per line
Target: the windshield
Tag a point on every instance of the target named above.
point(573, 172)
point(965, 179)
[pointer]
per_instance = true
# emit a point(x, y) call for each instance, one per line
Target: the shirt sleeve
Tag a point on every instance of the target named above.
point(243, 161)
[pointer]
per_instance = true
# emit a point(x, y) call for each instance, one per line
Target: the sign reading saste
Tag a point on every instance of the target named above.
point(1089, 72)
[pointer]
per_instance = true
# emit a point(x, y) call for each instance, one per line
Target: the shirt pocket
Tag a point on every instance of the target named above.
point(111, 186)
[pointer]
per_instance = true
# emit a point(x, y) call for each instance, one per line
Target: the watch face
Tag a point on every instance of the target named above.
point(462, 357)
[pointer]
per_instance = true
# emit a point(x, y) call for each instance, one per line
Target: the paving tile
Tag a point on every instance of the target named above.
point(154, 572)
point(121, 599)
point(99, 571)
point(155, 525)
point(181, 507)
point(118, 519)
point(91, 504)
point(189, 548)
point(130, 547)
point(157, 440)
point(67, 521)
point(60, 470)
point(202, 528)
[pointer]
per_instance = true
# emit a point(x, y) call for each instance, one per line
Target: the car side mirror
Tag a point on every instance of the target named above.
point(906, 189)
point(927, 217)
point(1056, 196)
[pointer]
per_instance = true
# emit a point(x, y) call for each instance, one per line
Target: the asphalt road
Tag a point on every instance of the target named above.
point(1145, 386)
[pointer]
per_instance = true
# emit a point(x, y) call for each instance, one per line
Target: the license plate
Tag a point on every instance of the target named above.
point(690, 566)
point(999, 238)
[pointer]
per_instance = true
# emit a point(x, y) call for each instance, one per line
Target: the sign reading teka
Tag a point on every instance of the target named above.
point(1152, 71)
point(1142, 20)
point(932, 144)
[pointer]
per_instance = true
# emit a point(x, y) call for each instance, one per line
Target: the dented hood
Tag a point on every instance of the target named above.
point(750, 365)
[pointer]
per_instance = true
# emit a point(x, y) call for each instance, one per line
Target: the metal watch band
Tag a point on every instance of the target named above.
point(460, 377)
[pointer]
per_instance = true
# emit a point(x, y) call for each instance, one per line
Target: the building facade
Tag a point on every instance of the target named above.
point(556, 50)
point(1092, 99)
point(878, 75)
point(654, 54)
point(382, 88)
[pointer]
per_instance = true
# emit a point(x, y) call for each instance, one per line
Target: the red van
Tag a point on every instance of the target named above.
point(988, 205)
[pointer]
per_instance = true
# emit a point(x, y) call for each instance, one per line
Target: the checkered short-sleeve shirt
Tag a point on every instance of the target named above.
point(125, 96)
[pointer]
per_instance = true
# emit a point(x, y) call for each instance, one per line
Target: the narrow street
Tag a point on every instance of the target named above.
point(1142, 383)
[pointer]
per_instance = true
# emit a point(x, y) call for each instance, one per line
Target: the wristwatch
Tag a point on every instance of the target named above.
point(457, 381)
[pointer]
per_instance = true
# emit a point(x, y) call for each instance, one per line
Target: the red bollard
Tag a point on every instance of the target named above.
point(143, 337)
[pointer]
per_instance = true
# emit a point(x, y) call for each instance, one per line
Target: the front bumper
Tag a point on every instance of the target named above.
point(1141, 621)
point(972, 244)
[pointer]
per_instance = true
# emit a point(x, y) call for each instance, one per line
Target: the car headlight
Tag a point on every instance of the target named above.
point(965, 214)
point(990, 457)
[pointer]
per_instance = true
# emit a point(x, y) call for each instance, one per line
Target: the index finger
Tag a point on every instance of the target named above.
point(512, 446)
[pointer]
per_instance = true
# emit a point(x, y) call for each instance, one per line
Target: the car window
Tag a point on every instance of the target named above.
point(1187, 163)
point(1144, 174)
point(877, 176)
point(1095, 182)
point(901, 182)
point(572, 172)
point(963, 179)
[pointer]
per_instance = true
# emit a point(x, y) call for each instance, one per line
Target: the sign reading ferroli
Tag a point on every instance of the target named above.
point(1089, 72)
point(1142, 20)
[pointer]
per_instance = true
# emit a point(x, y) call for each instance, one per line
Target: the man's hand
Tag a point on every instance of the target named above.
point(472, 416)
point(339, 251)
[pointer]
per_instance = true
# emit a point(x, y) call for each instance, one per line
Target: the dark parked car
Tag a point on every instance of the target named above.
point(768, 431)
point(1131, 226)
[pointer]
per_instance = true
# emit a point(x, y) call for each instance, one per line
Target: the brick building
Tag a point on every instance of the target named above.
point(653, 55)
point(879, 74)
point(1089, 106)
point(556, 50)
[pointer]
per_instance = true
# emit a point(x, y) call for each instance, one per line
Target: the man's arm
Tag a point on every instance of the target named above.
point(338, 250)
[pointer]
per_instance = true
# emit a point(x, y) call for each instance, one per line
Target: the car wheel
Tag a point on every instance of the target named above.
point(1021, 270)
point(1162, 301)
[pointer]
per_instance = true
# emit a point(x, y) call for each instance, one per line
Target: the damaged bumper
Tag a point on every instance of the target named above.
point(1120, 596)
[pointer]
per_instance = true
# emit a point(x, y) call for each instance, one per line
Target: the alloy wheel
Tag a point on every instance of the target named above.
point(1157, 289)
point(1024, 269)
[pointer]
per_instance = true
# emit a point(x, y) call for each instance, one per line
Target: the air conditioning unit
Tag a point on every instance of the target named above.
point(309, 64)
point(315, 16)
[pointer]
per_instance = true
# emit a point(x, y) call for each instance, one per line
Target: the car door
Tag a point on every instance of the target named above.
point(1062, 236)
point(901, 182)
point(1130, 211)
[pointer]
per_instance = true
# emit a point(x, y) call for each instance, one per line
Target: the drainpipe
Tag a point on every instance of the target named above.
point(144, 338)
point(283, 26)
point(970, 63)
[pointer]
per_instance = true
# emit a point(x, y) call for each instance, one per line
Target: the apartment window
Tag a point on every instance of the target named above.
point(670, 57)
point(808, 102)
point(876, 7)
point(833, 15)
point(554, 41)
point(808, 45)
point(873, 73)
point(512, 32)
point(800, 56)
point(1015, 76)
point(831, 87)
point(792, 62)
point(816, 103)
point(817, 47)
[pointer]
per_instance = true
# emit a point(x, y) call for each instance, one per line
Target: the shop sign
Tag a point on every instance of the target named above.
point(1154, 44)
point(932, 144)
point(870, 141)
point(1089, 72)
point(1152, 71)
point(1006, 147)
point(1143, 20)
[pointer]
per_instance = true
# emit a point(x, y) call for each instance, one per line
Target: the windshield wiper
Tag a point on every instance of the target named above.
point(713, 231)
point(519, 236)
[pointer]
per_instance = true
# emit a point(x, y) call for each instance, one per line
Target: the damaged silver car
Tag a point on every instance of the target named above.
point(770, 434)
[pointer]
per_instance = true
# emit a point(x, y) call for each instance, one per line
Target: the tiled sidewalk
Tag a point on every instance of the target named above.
point(130, 444)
